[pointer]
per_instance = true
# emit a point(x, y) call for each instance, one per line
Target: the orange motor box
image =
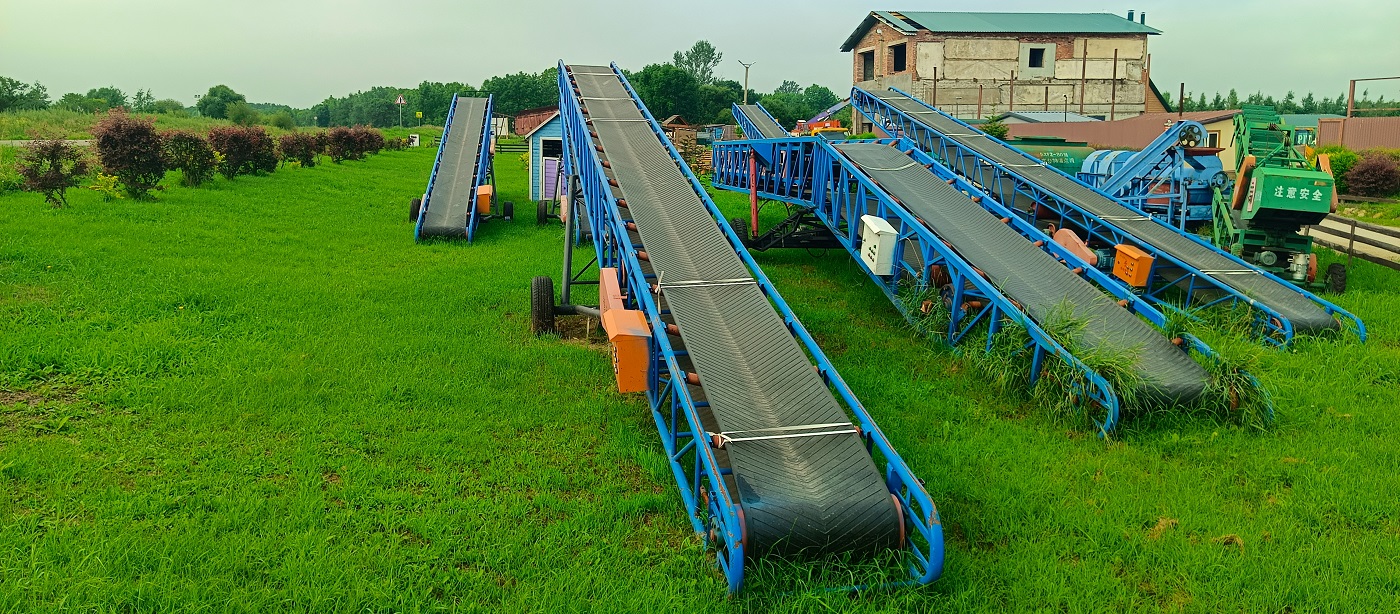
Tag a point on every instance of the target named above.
point(1132, 265)
point(631, 342)
point(483, 199)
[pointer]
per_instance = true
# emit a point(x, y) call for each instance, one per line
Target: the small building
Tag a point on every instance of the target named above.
point(525, 121)
point(973, 65)
point(1137, 132)
point(546, 158)
point(1040, 117)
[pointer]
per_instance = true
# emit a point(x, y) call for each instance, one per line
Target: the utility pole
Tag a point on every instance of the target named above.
point(746, 78)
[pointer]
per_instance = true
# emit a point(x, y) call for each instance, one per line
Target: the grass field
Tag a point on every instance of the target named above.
point(261, 395)
point(56, 123)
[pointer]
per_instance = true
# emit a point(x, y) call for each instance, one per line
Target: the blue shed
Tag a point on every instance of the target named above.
point(546, 153)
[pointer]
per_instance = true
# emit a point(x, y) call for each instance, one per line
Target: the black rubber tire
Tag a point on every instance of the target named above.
point(741, 228)
point(508, 210)
point(542, 212)
point(414, 207)
point(542, 305)
point(1336, 278)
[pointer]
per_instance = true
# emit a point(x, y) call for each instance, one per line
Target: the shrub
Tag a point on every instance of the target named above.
point(246, 150)
point(342, 145)
point(130, 148)
point(1376, 176)
point(1342, 160)
point(996, 128)
point(395, 144)
point(243, 115)
point(192, 154)
point(368, 140)
point(283, 120)
point(298, 147)
point(50, 167)
point(106, 185)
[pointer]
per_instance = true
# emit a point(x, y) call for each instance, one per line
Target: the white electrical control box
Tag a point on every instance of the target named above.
point(877, 241)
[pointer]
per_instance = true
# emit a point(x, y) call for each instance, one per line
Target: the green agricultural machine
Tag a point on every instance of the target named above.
point(1277, 192)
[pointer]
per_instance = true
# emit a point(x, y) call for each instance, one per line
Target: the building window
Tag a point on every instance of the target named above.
point(901, 59)
point(867, 65)
point(1213, 138)
point(1037, 61)
point(551, 148)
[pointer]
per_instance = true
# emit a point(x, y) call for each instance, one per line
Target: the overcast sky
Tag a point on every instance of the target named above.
point(298, 52)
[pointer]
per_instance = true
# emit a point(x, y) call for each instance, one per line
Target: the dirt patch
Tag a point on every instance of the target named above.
point(1163, 524)
point(39, 396)
point(583, 330)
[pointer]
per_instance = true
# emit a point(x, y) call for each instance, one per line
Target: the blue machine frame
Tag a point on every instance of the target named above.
point(1165, 170)
point(814, 175)
point(707, 498)
point(484, 168)
point(995, 177)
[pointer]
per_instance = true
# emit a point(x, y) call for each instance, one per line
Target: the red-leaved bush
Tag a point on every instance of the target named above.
point(298, 147)
point(246, 150)
point(130, 148)
point(1375, 175)
point(50, 167)
point(369, 140)
point(191, 154)
point(342, 145)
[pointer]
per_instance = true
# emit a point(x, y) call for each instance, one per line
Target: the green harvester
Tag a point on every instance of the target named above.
point(1276, 192)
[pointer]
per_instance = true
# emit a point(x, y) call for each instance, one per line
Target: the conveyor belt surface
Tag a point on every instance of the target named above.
point(1027, 274)
point(1305, 315)
point(454, 189)
point(810, 494)
point(767, 128)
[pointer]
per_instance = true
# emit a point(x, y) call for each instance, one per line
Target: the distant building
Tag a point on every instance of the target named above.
point(525, 121)
point(977, 64)
point(1040, 117)
point(546, 139)
point(1137, 132)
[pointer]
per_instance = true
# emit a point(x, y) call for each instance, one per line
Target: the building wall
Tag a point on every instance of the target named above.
point(554, 129)
point(969, 67)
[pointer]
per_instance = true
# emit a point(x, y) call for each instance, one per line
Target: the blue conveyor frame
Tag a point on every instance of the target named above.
point(708, 500)
point(1168, 272)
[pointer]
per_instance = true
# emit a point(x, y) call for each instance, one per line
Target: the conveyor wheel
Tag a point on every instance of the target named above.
point(508, 210)
point(414, 207)
point(542, 305)
point(1336, 278)
point(740, 227)
point(542, 212)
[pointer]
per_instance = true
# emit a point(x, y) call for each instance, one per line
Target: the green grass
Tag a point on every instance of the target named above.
point(23, 125)
point(261, 395)
point(1385, 214)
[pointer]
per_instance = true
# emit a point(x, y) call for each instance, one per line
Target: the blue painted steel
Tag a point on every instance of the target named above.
point(437, 163)
point(1167, 180)
point(794, 182)
point(817, 176)
point(704, 492)
point(1168, 274)
point(484, 170)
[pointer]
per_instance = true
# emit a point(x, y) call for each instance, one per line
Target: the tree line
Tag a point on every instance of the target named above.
point(1290, 103)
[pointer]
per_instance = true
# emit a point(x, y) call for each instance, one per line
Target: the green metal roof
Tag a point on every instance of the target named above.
point(908, 22)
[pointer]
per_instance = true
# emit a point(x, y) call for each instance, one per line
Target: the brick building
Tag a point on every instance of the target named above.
point(978, 64)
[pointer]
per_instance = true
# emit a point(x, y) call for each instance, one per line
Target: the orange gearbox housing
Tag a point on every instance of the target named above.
point(627, 331)
point(483, 199)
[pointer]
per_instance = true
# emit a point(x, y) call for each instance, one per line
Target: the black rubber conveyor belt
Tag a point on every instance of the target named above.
point(1029, 275)
point(798, 494)
point(1306, 315)
point(767, 128)
point(451, 201)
